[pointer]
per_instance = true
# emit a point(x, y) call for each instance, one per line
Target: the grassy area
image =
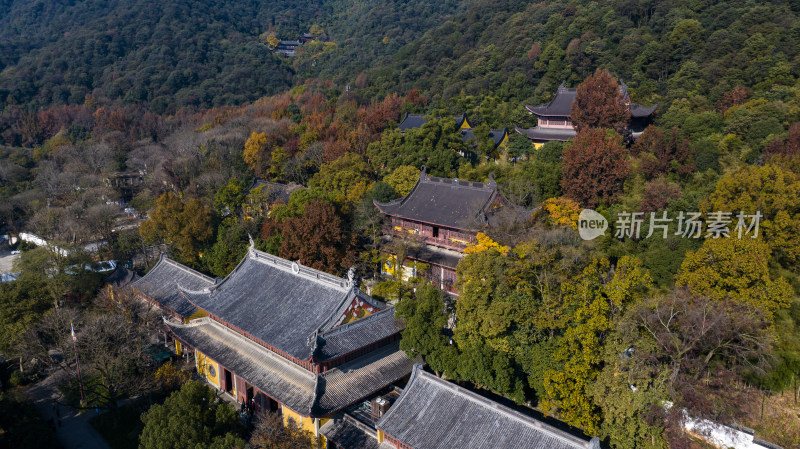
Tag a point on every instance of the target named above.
point(780, 421)
point(128, 425)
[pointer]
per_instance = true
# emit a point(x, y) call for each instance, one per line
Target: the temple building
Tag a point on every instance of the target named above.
point(499, 136)
point(432, 413)
point(284, 336)
point(554, 121)
point(434, 223)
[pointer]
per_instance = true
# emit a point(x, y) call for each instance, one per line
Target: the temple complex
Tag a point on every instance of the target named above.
point(281, 335)
point(432, 413)
point(435, 222)
point(554, 123)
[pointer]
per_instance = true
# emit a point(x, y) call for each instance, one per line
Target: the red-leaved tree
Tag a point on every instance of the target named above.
point(657, 194)
point(595, 166)
point(788, 148)
point(317, 238)
point(662, 156)
point(599, 103)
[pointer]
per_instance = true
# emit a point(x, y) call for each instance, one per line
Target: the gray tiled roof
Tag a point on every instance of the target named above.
point(121, 277)
point(411, 121)
point(161, 285)
point(561, 104)
point(432, 413)
point(498, 135)
point(265, 297)
point(360, 378)
point(291, 385)
point(445, 202)
point(279, 378)
point(348, 434)
point(639, 111)
point(437, 256)
point(349, 337)
point(539, 133)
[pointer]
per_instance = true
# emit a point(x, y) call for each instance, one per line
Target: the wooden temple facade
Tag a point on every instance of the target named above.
point(435, 222)
point(432, 413)
point(554, 121)
point(281, 335)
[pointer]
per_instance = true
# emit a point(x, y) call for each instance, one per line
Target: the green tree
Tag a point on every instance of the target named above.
point(424, 335)
point(21, 424)
point(228, 250)
point(229, 198)
point(436, 144)
point(184, 226)
point(344, 181)
point(192, 417)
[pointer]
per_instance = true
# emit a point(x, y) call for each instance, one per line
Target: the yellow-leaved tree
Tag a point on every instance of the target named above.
point(597, 298)
point(562, 211)
point(402, 179)
point(775, 193)
point(183, 225)
point(485, 243)
point(255, 153)
point(737, 269)
point(273, 40)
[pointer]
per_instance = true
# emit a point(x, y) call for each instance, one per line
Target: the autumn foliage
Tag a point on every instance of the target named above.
point(562, 212)
point(599, 103)
point(662, 156)
point(317, 239)
point(595, 166)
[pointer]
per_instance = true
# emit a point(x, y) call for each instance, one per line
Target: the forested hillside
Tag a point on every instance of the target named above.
point(521, 51)
point(170, 55)
point(191, 54)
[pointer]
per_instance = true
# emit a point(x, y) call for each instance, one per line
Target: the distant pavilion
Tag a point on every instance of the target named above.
point(554, 121)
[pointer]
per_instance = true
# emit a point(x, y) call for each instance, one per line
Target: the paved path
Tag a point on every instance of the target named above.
point(75, 431)
point(6, 259)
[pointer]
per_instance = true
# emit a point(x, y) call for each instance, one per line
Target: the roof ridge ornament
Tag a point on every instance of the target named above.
point(252, 243)
point(351, 274)
point(423, 172)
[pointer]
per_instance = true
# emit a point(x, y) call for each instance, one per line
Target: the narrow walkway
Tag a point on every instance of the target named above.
point(75, 431)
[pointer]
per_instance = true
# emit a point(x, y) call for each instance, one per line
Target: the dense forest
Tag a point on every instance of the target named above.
point(190, 97)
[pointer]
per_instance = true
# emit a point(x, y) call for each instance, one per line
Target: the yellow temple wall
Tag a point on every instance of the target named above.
point(208, 368)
